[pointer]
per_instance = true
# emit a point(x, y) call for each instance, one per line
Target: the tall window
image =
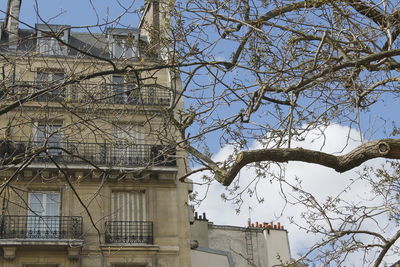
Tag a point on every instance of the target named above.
point(125, 90)
point(128, 206)
point(50, 134)
point(43, 215)
point(46, 76)
point(127, 149)
point(128, 219)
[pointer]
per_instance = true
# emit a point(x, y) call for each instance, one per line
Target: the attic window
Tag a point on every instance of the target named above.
point(49, 45)
point(124, 46)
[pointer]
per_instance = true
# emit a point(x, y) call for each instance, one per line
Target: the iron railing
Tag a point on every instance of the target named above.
point(104, 154)
point(102, 93)
point(129, 232)
point(40, 227)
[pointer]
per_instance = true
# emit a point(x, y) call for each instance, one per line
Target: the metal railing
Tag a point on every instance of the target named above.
point(129, 232)
point(40, 227)
point(96, 93)
point(105, 154)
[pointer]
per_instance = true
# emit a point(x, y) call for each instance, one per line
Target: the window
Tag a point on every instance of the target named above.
point(128, 219)
point(49, 75)
point(127, 149)
point(128, 206)
point(46, 76)
point(125, 90)
point(43, 215)
point(50, 134)
point(49, 45)
point(124, 46)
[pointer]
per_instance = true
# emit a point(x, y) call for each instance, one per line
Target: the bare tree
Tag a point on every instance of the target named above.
point(252, 71)
point(264, 74)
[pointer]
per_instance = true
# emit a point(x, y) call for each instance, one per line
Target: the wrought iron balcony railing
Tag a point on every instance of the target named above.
point(102, 154)
point(129, 232)
point(40, 227)
point(95, 93)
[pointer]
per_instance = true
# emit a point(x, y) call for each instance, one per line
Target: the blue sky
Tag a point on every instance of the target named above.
point(77, 13)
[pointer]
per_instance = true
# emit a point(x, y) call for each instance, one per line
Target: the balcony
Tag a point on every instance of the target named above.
point(129, 232)
point(33, 228)
point(100, 154)
point(84, 93)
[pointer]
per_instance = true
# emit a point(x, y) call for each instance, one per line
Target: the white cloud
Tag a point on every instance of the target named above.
point(319, 180)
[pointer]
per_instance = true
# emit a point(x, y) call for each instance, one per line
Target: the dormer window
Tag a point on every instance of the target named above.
point(123, 43)
point(124, 47)
point(48, 44)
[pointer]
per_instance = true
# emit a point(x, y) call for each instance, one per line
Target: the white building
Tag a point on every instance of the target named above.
point(260, 244)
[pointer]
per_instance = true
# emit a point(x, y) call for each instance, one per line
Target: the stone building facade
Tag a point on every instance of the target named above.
point(89, 165)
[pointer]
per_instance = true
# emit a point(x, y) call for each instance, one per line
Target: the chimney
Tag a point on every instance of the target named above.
point(12, 21)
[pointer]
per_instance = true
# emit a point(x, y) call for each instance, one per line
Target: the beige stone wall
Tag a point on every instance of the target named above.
point(166, 198)
point(166, 209)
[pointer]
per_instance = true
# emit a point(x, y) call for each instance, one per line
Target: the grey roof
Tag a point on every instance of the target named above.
point(92, 43)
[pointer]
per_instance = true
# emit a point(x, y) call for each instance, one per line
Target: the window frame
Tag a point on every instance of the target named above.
point(124, 46)
point(48, 136)
point(45, 76)
point(38, 221)
point(49, 45)
point(145, 205)
point(126, 90)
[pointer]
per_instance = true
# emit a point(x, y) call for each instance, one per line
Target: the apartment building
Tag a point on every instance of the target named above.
point(258, 244)
point(89, 165)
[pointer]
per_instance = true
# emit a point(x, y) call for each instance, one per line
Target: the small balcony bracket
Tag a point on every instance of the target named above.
point(74, 253)
point(9, 253)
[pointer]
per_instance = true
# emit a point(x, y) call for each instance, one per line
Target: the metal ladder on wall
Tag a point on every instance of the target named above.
point(249, 246)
